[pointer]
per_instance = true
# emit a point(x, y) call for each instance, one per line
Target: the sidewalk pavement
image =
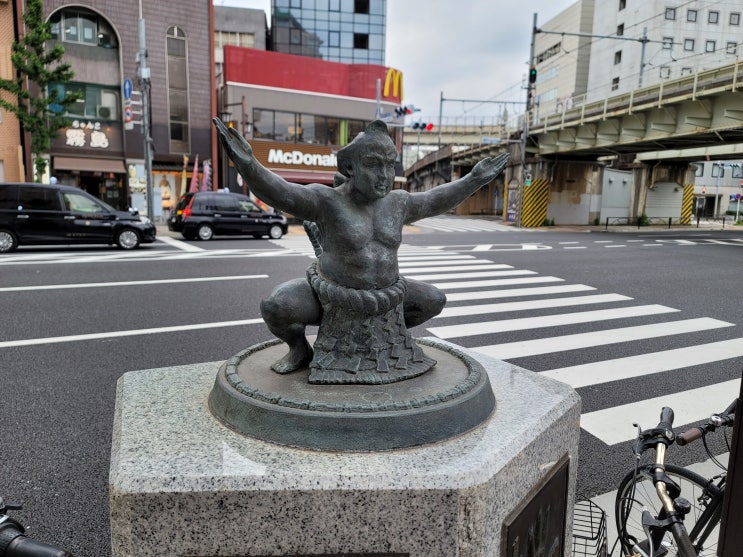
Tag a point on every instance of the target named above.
point(297, 229)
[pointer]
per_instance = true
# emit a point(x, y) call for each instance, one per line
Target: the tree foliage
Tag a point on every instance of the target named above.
point(40, 110)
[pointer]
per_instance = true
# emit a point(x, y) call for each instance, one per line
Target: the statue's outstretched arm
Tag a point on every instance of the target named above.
point(300, 201)
point(446, 197)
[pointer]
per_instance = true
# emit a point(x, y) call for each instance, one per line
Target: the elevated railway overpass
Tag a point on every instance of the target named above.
point(621, 157)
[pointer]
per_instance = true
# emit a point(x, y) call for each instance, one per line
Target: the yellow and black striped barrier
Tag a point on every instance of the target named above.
point(687, 204)
point(534, 207)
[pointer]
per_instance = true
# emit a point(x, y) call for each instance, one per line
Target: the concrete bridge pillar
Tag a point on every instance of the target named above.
point(662, 190)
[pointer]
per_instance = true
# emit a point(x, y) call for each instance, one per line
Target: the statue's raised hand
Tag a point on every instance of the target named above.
point(238, 149)
point(490, 168)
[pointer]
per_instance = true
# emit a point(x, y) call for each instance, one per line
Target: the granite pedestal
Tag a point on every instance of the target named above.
point(181, 483)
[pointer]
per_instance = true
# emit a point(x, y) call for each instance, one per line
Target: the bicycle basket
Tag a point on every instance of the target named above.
point(589, 530)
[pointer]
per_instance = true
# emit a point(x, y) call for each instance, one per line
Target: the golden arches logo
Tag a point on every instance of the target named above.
point(393, 81)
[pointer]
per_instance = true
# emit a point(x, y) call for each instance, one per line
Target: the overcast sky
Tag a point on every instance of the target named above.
point(466, 49)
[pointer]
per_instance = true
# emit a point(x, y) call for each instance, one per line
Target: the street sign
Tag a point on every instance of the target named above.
point(737, 197)
point(127, 89)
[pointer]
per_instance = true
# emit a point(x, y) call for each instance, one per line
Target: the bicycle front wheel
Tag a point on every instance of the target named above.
point(628, 512)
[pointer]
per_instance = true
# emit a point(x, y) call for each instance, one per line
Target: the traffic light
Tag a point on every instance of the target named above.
point(403, 111)
point(532, 75)
point(422, 126)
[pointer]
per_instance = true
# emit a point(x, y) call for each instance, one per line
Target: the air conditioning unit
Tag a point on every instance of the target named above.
point(104, 112)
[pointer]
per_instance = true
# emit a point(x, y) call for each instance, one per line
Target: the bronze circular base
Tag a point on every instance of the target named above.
point(452, 398)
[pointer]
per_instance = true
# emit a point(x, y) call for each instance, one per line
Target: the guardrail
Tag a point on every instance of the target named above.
point(658, 221)
point(642, 221)
point(707, 82)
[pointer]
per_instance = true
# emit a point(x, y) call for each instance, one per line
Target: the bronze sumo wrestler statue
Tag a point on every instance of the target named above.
point(354, 290)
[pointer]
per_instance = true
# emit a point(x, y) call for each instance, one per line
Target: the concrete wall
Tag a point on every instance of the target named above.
point(575, 193)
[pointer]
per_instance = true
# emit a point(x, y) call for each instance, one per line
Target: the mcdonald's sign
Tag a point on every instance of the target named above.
point(393, 84)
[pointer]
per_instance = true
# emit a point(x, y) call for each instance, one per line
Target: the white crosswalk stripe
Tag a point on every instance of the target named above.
point(462, 224)
point(469, 298)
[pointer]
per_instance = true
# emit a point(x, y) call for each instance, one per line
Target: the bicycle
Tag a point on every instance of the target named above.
point(14, 542)
point(654, 500)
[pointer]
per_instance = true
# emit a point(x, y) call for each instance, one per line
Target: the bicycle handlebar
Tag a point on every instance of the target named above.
point(726, 418)
point(690, 435)
point(14, 542)
point(666, 418)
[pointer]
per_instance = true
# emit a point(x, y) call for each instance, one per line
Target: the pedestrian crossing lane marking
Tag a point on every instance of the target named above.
point(456, 267)
point(494, 282)
point(531, 305)
point(517, 292)
point(484, 274)
point(614, 425)
point(536, 347)
point(526, 323)
point(644, 364)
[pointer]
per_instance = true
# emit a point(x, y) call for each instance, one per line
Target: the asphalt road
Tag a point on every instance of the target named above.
point(77, 319)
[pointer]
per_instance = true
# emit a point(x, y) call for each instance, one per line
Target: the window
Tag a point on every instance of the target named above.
point(615, 84)
point(667, 43)
point(82, 27)
point(691, 15)
point(737, 171)
point(620, 29)
point(731, 47)
point(622, 4)
point(718, 170)
point(177, 70)
point(686, 71)
point(81, 204)
point(304, 128)
point(709, 46)
point(34, 198)
point(689, 45)
point(665, 72)
point(263, 124)
point(700, 169)
point(734, 18)
point(671, 13)
point(361, 40)
point(95, 102)
point(617, 57)
point(713, 17)
point(361, 6)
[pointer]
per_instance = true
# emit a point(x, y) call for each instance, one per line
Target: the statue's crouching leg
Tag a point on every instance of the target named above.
point(287, 312)
point(422, 302)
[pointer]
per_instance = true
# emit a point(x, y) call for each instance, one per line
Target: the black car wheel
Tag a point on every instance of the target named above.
point(275, 232)
point(205, 232)
point(127, 239)
point(8, 241)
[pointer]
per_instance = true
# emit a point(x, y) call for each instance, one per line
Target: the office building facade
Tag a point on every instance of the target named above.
point(348, 31)
point(102, 151)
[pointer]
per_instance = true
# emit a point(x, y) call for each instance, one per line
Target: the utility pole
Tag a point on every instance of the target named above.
point(530, 85)
point(144, 82)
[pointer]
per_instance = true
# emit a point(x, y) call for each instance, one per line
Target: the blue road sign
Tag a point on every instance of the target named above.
point(127, 87)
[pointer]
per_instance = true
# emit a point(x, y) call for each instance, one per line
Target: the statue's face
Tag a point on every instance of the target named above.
point(374, 170)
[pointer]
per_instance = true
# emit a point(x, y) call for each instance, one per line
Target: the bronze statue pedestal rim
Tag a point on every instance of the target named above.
point(452, 398)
